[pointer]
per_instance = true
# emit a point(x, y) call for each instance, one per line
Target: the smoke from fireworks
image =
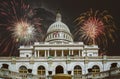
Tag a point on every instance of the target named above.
point(95, 27)
point(18, 26)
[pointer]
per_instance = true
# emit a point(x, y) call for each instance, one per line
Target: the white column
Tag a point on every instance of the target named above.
point(45, 53)
point(35, 53)
point(55, 53)
point(62, 53)
point(79, 53)
point(72, 52)
point(38, 53)
point(86, 69)
point(69, 52)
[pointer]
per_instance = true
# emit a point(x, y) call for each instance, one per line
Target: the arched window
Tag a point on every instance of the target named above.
point(50, 36)
point(95, 69)
point(59, 69)
point(41, 70)
point(23, 69)
point(77, 70)
point(64, 35)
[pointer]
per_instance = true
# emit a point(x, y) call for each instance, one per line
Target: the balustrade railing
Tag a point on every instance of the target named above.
point(5, 73)
point(59, 57)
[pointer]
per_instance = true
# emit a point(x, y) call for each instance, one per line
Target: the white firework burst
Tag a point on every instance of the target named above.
point(24, 31)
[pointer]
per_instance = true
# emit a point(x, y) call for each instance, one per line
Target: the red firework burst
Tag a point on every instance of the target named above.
point(95, 28)
point(92, 28)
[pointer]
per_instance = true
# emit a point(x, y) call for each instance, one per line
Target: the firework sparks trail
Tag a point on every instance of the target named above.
point(95, 28)
point(16, 26)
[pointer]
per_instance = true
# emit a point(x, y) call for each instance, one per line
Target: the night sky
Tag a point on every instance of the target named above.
point(71, 9)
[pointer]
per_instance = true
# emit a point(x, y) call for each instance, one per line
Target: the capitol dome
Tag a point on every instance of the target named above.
point(58, 32)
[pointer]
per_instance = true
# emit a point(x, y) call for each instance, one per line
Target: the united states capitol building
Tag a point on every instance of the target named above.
point(59, 54)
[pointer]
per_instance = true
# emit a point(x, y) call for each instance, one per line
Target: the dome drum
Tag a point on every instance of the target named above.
point(59, 35)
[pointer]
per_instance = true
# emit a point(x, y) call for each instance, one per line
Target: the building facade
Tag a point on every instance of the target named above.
point(60, 54)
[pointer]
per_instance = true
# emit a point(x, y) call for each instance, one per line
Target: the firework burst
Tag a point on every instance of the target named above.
point(17, 26)
point(24, 31)
point(95, 27)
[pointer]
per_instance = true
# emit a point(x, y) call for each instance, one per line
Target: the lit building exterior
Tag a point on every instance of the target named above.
point(60, 54)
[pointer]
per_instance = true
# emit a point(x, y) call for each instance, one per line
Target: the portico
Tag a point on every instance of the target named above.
point(57, 52)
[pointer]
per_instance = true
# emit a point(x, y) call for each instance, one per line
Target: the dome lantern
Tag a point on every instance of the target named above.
point(58, 17)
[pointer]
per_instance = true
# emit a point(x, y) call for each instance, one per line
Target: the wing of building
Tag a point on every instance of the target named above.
point(59, 54)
